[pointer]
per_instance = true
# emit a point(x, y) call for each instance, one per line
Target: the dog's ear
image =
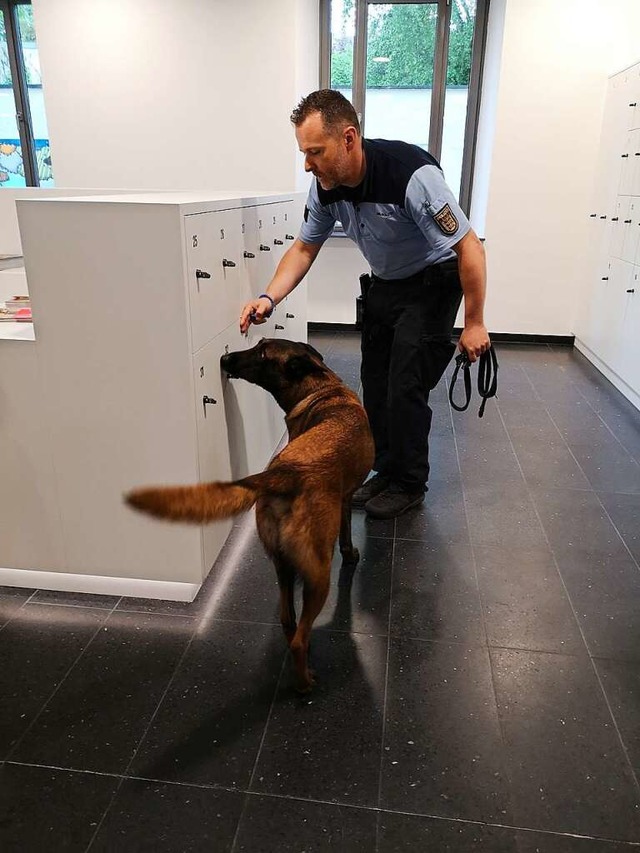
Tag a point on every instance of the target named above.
point(314, 351)
point(299, 366)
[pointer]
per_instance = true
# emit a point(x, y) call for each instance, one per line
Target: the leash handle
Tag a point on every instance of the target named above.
point(462, 362)
point(487, 379)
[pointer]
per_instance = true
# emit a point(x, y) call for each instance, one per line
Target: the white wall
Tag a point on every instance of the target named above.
point(175, 95)
point(553, 76)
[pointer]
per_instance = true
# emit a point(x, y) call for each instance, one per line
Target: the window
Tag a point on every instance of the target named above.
point(24, 140)
point(412, 71)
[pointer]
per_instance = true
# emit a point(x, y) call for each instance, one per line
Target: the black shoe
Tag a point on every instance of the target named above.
point(392, 502)
point(374, 485)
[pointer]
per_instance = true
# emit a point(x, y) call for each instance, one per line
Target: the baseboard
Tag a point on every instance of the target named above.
point(498, 337)
point(99, 585)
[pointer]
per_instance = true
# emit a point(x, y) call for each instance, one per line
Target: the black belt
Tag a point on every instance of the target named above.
point(487, 379)
point(434, 271)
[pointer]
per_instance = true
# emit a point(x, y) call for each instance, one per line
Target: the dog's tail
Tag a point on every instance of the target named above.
point(209, 501)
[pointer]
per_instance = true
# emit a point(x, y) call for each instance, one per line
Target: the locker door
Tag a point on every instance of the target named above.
point(630, 367)
point(632, 231)
point(617, 227)
point(213, 444)
point(217, 281)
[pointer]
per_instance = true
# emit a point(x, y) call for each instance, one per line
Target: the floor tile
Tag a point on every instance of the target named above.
point(435, 594)
point(443, 753)
point(571, 517)
point(488, 460)
point(524, 601)
point(502, 514)
point(608, 467)
point(75, 599)
point(289, 826)
point(11, 600)
point(401, 833)
point(621, 683)
point(624, 511)
point(210, 724)
point(359, 600)
point(567, 767)
point(153, 817)
point(604, 587)
point(328, 748)
point(441, 520)
point(101, 710)
point(548, 687)
point(45, 809)
point(39, 647)
point(546, 460)
point(569, 778)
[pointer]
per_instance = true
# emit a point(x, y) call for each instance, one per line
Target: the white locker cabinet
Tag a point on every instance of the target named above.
point(128, 340)
point(608, 321)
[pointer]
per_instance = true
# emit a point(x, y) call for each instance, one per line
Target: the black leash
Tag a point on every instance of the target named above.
point(487, 379)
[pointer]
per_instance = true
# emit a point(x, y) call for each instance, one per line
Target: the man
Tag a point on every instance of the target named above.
point(392, 200)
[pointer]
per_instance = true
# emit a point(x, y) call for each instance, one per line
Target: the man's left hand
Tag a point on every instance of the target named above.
point(474, 340)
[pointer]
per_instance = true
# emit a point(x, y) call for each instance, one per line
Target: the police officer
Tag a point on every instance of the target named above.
point(393, 202)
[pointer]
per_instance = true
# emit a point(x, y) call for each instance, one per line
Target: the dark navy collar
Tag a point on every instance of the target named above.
point(389, 167)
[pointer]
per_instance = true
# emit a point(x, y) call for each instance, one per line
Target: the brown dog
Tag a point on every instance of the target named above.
point(303, 498)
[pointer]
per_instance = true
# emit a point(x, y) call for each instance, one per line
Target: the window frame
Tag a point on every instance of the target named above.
point(436, 121)
point(20, 90)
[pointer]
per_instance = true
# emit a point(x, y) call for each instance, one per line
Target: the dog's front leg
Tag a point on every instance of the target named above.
point(286, 582)
point(350, 555)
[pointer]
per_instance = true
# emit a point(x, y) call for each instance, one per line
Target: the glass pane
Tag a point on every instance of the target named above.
point(401, 43)
point(343, 27)
point(31, 60)
point(463, 18)
point(11, 167)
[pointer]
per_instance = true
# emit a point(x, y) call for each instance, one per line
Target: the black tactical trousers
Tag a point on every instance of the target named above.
point(406, 346)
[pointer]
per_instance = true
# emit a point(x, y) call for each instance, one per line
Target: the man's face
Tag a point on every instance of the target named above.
point(325, 154)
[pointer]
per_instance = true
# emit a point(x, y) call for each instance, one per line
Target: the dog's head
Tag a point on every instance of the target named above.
point(274, 364)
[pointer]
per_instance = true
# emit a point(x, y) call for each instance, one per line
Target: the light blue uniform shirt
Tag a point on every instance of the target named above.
point(403, 216)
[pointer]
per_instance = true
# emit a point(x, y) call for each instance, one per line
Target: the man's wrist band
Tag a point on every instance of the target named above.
point(272, 301)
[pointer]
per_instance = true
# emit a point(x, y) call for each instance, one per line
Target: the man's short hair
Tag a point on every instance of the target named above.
point(336, 111)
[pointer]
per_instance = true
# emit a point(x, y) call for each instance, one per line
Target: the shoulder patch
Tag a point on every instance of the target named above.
point(446, 221)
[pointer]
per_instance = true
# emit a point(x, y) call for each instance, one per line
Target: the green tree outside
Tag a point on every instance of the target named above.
point(404, 36)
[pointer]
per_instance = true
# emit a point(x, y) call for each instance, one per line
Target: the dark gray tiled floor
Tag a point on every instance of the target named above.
point(478, 677)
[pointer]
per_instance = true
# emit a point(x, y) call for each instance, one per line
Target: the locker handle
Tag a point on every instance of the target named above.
point(633, 290)
point(226, 263)
point(279, 327)
point(290, 316)
point(203, 274)
point(593, 215)
point(249, 255)
point(603, 217)
point(637, 154)
point(206, 400)
point(627, 221)
point(605, 278)
point(264, 248)
point(624, 155)
point(291, 237)
point(614, 218)
point(634, 104)
point(277, 242)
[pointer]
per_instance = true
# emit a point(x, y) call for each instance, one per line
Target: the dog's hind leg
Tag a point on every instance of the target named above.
point(313, 599)
point(286, 582)
point(350, 555)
